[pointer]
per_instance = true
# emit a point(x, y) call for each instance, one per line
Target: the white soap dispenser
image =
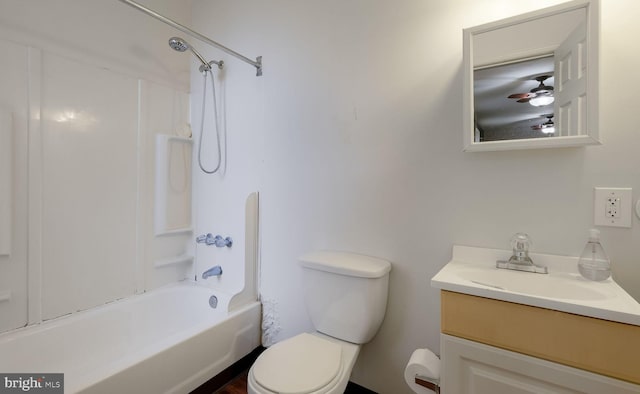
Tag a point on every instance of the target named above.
point(594, 263)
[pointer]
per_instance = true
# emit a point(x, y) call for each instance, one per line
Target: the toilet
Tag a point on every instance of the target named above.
point(346, 298)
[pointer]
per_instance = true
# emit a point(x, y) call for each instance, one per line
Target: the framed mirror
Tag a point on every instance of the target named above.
point(531, 81)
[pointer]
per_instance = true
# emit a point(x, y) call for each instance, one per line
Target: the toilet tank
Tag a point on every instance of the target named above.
point(345, 293)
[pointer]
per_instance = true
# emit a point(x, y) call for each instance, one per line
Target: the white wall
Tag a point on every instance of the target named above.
point(353, 137)
point(219, 199)
point(89, 84)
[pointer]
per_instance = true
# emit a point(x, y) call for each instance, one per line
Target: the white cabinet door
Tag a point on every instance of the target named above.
point(471, 367)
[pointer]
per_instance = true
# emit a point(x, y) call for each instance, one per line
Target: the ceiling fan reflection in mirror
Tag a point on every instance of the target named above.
point(539, 96)
point(547, 127)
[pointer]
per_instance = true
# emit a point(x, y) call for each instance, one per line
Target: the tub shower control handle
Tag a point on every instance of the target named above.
point(218, 241)
point(222, 242)
point(204, 238)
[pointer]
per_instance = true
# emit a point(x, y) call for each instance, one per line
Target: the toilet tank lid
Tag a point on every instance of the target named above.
point(345, 263)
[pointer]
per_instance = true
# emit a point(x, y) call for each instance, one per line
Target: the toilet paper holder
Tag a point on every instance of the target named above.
point(428, 383)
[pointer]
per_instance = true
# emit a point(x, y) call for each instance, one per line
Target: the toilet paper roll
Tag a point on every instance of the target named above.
point(424, 363)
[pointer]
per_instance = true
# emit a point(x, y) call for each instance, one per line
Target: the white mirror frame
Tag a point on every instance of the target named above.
point(592, 8)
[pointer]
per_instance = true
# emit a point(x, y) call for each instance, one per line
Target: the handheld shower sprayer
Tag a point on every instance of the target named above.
point(181, 45)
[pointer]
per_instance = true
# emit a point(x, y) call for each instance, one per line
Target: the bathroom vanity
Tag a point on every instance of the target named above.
point(507, 331)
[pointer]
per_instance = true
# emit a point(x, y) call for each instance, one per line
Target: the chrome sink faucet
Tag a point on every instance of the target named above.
point(520, 260)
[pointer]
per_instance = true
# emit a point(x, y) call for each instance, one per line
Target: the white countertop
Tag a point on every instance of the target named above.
point(473, 271)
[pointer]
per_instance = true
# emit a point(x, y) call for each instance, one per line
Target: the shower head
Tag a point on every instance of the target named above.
point(181, 45)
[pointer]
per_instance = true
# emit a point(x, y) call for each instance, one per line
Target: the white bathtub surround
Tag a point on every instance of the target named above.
point(14, 183)
point(173, 185)
point(86, 103)
point(166, 341)
point(164, 115)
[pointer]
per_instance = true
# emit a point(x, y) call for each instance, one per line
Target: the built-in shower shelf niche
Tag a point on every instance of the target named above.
point(173, 185)
point(6, 181)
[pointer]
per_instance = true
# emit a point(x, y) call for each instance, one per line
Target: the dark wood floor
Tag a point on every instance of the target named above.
point(236, 386)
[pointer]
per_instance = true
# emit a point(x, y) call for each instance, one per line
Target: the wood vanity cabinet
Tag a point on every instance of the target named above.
point(493, 347)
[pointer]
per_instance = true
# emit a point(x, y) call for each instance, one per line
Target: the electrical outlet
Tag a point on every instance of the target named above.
point(612, 207)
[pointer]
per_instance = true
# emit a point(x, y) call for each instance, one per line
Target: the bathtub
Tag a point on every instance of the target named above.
point(169, 340)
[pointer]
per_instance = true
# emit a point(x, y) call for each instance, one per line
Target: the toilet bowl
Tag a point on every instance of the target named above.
point(304, 364)
point(346, 298)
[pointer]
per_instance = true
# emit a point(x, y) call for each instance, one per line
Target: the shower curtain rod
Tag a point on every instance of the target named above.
point(255, 63)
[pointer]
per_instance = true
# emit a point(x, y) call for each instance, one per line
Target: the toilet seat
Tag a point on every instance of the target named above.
point(300, 365)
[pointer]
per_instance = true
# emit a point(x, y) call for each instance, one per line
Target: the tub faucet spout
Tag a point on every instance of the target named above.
point(213, 271)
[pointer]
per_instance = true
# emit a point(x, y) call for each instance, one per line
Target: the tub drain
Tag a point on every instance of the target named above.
point(213, 301)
